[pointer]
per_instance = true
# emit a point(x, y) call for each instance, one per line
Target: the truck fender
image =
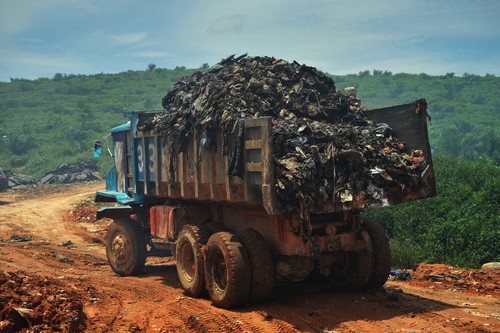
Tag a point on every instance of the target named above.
point(114, 212)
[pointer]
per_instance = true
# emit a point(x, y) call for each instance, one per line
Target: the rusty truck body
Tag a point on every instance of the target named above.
point(226, 232)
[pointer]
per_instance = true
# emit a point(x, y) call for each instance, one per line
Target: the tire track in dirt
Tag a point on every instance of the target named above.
point(195, 316)
point(42, 214)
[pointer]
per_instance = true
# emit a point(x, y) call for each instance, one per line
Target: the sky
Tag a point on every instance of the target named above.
point(39, 38)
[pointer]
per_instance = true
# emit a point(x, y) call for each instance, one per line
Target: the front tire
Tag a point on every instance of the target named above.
point(126, 247)
point(227, 270)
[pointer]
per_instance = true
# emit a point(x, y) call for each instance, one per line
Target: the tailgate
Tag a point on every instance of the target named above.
point(409, 123)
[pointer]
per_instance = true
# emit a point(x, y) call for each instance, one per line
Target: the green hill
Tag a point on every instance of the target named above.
point(47, 122)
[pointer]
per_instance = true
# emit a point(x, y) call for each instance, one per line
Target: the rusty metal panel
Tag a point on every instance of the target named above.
point(159, 218)
point(167, 221)
point(279, 233)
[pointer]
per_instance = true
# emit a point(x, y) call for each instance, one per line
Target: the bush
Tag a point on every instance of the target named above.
point(406, 253)
point(458, 227)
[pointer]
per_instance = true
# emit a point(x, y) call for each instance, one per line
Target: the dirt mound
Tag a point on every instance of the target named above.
point(441, 276)
point(30, 303)
point(84, 215)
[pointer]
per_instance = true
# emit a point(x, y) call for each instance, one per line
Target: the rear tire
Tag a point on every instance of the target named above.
point(381, 256)
point(227, 270)
point(353, 273)
point(126, 247)
point(189, 261)
point(262, 267)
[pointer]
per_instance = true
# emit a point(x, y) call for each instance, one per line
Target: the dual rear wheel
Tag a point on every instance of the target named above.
point(234, 268)
point(364, 270)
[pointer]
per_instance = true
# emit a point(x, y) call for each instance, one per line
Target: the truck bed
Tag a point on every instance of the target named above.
point(202, 175)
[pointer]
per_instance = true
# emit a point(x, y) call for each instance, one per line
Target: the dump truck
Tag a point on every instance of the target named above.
point(228, 234)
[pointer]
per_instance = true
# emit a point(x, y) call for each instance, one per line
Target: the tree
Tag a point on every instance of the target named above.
point(58, 77)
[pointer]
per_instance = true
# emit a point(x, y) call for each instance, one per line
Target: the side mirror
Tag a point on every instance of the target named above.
point(97, 148)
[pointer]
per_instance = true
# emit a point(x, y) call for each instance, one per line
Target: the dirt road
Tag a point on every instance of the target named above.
point(53, 270)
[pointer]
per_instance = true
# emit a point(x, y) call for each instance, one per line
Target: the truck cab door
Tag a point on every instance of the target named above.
point(120, 148)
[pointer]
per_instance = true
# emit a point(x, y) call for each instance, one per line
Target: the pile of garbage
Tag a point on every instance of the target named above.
point(64, 174)
point(325, 150)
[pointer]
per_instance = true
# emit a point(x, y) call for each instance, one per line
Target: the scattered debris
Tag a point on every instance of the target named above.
point(66, 260)
point(38, 304)
point(451, 278)
point(325, 149)
point(19, 238)
point(402, 275)
point(66, 244)
point(265, 315)
point(441, 276)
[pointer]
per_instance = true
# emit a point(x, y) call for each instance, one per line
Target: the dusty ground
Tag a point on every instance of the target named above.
point(50, 284)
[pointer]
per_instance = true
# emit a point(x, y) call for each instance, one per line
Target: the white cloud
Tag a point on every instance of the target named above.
point(129, 38)
point(17, 16)
point(33, 66)
point(152, 54)
point(33, 40)
point(227, 24)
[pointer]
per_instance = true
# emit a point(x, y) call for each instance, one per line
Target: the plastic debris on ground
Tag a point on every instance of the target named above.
point(20, 238)
point(66, 244)
point(402, 275)
point(442, 276)
point(325, 150)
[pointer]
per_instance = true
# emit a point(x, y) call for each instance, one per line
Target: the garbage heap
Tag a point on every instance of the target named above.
point(325, 150)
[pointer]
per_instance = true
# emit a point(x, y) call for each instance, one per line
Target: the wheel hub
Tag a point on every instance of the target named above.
point(118, 247)
point(188, 262)
point(220, 271)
